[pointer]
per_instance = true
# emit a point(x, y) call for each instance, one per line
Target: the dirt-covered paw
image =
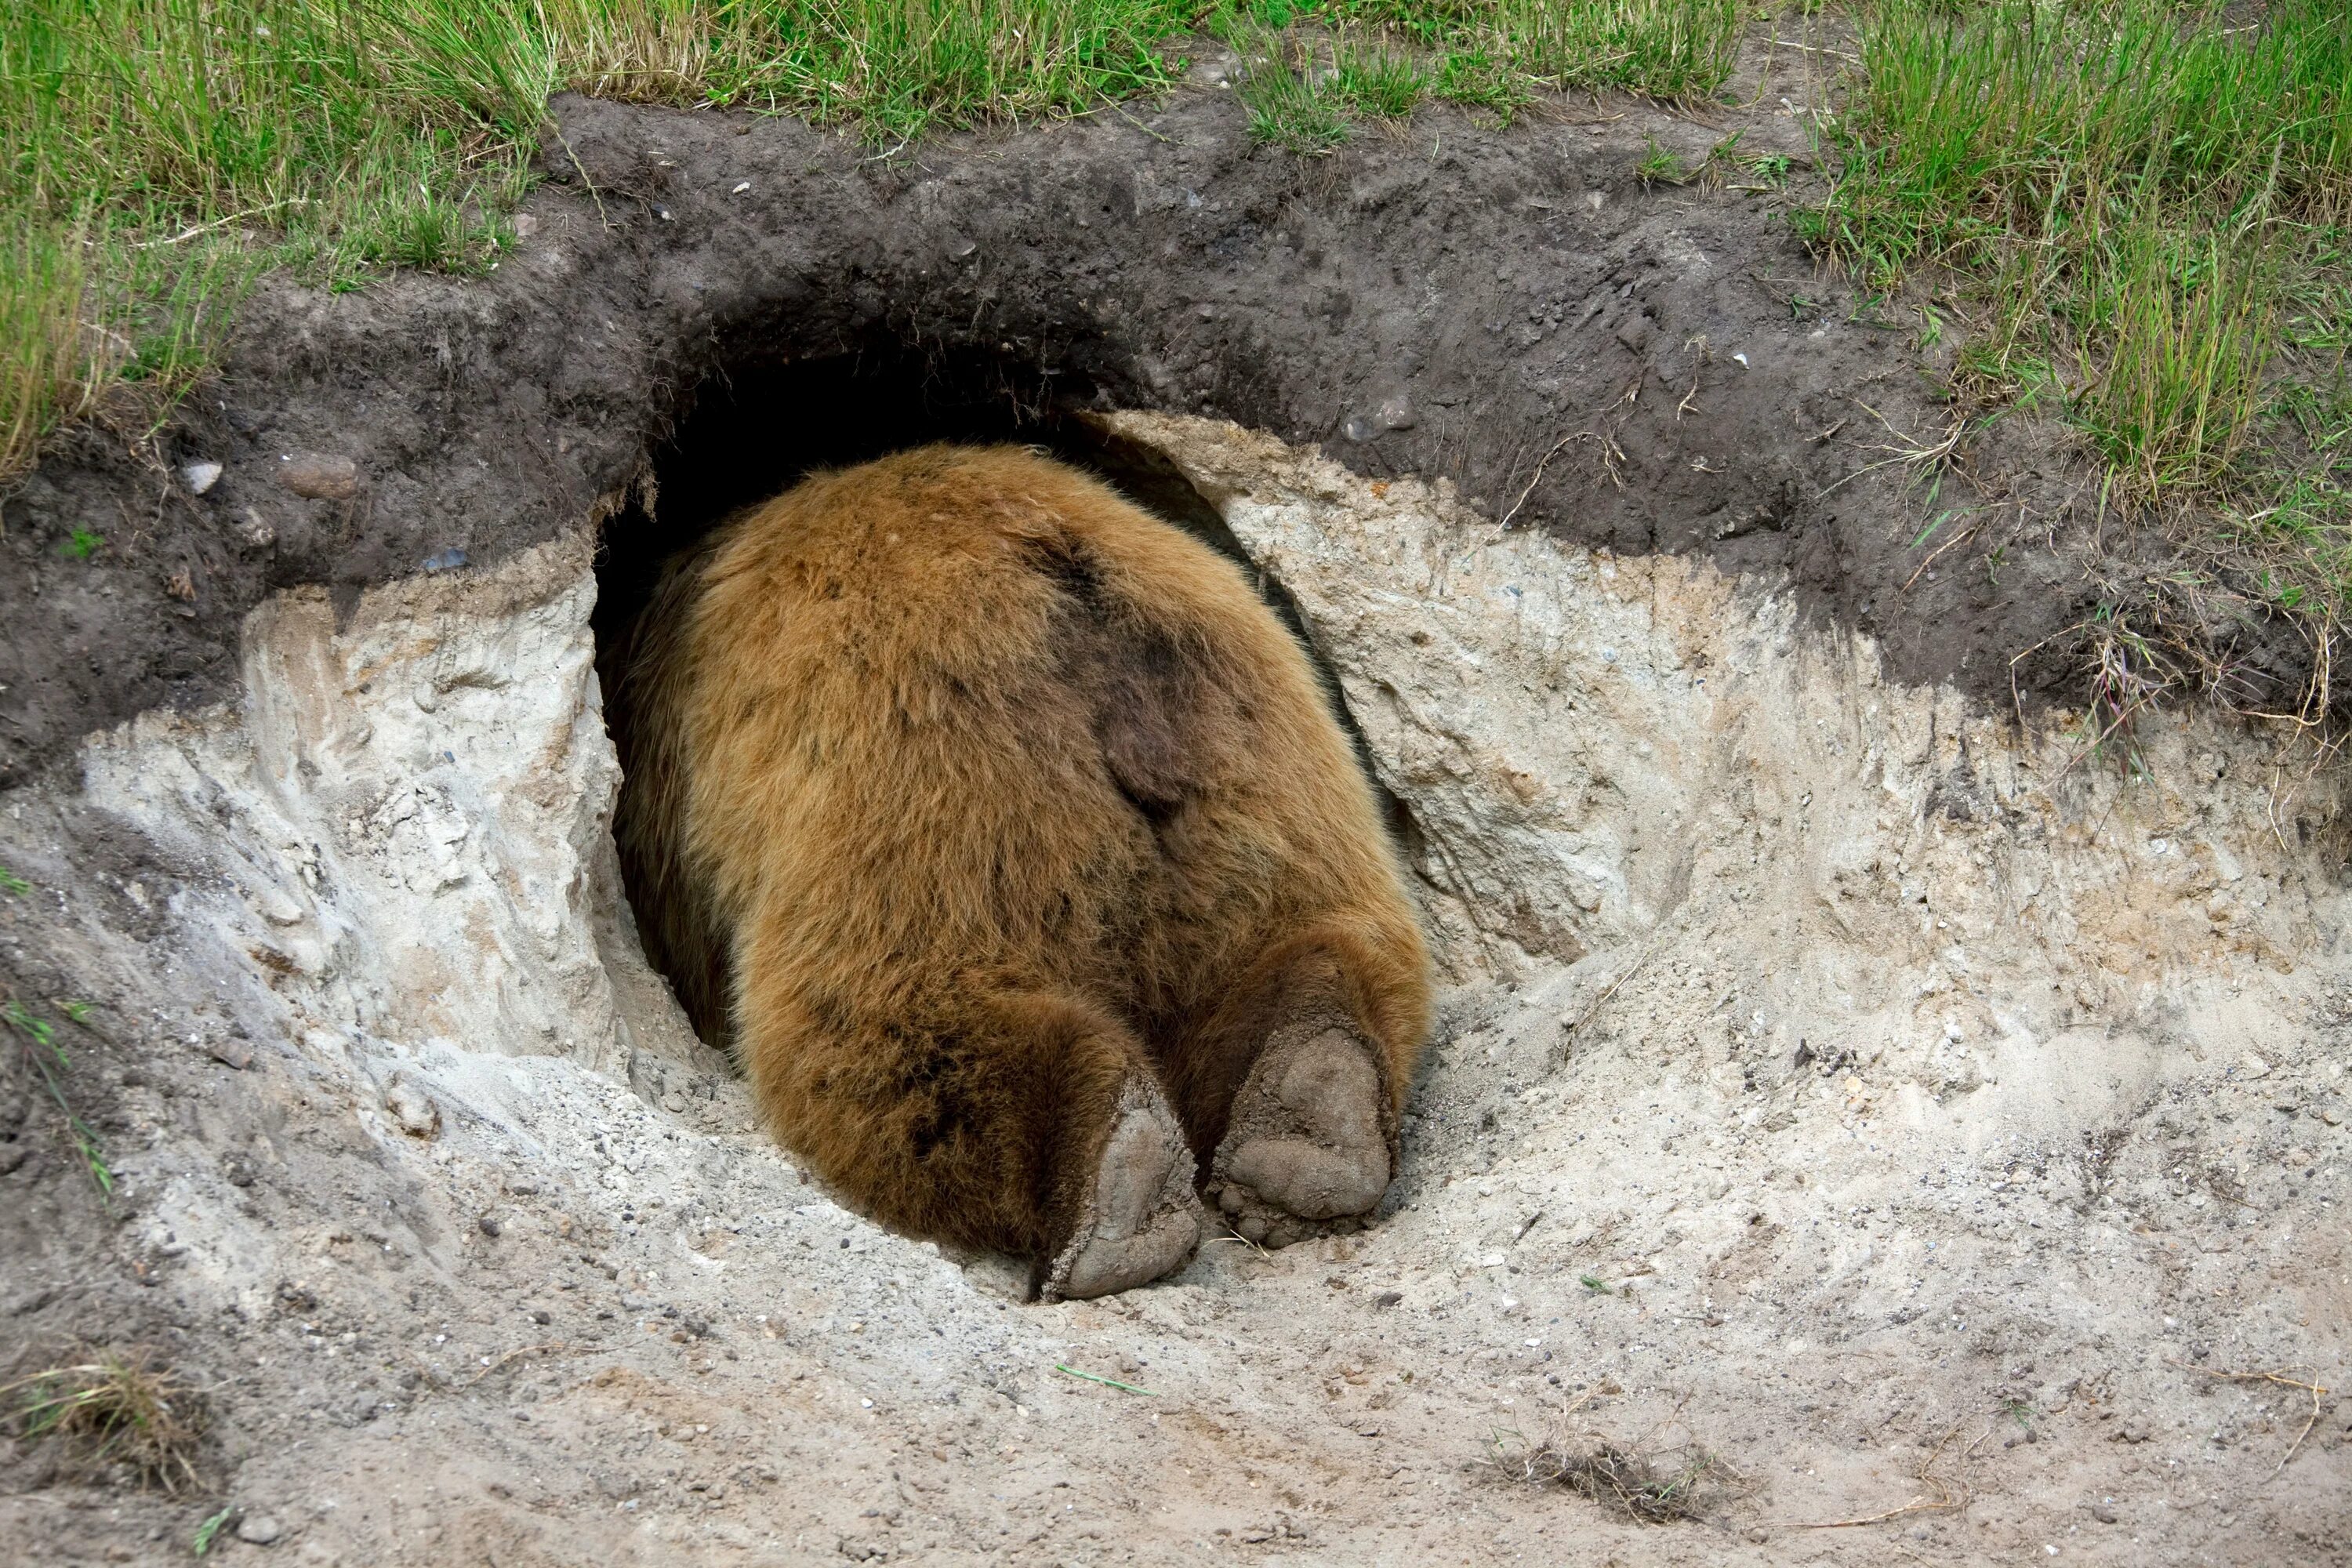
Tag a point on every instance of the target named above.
point(1306, 1143)
point(1141, 1219)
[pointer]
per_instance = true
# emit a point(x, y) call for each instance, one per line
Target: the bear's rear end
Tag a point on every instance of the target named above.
point(973, 804)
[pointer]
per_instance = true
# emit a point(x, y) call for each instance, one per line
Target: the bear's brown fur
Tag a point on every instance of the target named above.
point(986, 815)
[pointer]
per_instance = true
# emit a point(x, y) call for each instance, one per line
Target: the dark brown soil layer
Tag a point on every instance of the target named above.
point(1632, 367)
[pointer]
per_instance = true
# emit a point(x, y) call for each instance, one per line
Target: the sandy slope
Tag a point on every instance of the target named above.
point(1831, 1080)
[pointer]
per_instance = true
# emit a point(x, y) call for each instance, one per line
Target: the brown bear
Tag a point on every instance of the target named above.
point(1007, 839)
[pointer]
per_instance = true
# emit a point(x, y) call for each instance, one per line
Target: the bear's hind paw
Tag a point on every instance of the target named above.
point(1306, 1145)
point(1141, 1219)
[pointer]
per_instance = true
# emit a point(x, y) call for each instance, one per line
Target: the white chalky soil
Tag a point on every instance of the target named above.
point(1830, 1078)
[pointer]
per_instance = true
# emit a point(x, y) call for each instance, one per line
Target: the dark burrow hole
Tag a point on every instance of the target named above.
point(754, 430)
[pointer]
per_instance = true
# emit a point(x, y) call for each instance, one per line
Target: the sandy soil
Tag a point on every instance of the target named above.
point(1931, 1129)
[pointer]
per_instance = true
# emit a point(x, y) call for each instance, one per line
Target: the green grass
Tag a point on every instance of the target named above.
point(2139, 209)
point(1311, 70)
point(39, 1047)
point(157, 155)
point(209, 1529)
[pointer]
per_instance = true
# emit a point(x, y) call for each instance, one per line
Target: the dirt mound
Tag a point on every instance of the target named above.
point(1862, 1124)
point(1838, 1101)
point(1629, 366)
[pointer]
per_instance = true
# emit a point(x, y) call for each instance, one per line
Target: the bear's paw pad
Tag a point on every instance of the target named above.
point(1306, 1143)
point(1141, 1219)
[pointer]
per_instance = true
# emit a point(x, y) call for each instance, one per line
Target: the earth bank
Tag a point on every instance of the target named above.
point(1830, 1080)
point(1844, 1073)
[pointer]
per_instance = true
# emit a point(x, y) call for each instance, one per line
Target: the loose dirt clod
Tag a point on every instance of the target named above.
point(319, 476)
point(414, 1111)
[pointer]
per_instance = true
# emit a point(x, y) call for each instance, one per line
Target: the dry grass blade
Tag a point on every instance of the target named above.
point(1570, 1031)
point(1659, 1486)
point(1939, 550)
point(2317, 1389)
point(1949, 1494)
point(116, 1409)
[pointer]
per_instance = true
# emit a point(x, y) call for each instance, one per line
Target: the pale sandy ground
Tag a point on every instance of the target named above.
point(1832, 1081)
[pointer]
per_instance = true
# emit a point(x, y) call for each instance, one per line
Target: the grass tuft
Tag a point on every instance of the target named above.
point(2141, 207)
point(1660, 1488)
point(1379, 59)
point(39, 1049)
point(1291, 99)
point(114, 1408)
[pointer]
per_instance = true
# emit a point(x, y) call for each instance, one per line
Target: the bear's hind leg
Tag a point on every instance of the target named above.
point(1138, 1218)
point(1019, 1122)
point(1308, 1135)
point(1307, 1142)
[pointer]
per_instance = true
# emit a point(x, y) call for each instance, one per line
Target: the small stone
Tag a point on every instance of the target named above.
point(525, 225)
point(1388, 1298)
point(444, 560)
point(959, 247)
point(1396, 414)
point(1357, 428)
point(230, 1052)
point(2332, 1116)
point(319, 476)
point(1758, 1534)
point(201, 476)
point(278, 907)
point(412, 1107)
point(257, 1530)
point(2103, 1513)
point(2250, 1066)
point(542, 1316)
point(257, 532)
point(487, 1225)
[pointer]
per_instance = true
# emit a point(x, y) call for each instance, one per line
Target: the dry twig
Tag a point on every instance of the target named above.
point(517, 1351)
point(1949, 1494)
point(2317, 1391)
